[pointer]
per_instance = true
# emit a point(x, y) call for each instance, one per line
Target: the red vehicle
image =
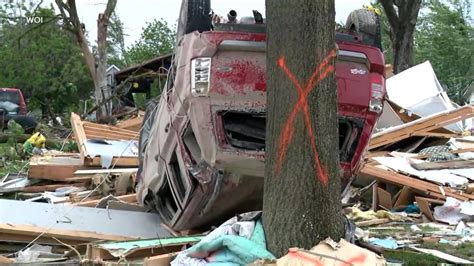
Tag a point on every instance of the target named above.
point(13, 107)
point(203, 146)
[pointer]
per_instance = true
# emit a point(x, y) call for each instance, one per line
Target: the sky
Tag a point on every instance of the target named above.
point(136, 13)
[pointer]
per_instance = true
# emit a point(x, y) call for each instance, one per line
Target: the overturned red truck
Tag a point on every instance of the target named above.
point(203, 142)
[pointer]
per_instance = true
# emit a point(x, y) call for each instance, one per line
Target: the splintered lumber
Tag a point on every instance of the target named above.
point(98, 131)
point(373, 222)
point(5, 260)
point(43, 188)
point(160, 260)
point(56, 168)
point(133, 124)
point(106, 171)
point(130, 198)
point(452, 164)
point(440, 192)
point(85, 131)
point(421, 125)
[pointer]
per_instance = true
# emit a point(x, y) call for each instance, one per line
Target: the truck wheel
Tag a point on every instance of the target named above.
point(366, 23)
point(28, 123)
point(194, 15)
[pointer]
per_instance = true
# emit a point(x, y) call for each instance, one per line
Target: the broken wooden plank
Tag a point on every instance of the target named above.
point(424, 124)
point(130, 198)
point(160, 260)
point(425, 206)
point(120, 162)
point(106, 171)
point(384, 198)
point(405, 198)
point(422, 186)
point(452, 164)
point(108, 132)
point(43, 188)
point(56, 168)
point(79, 135)
point(372, 222)
point(132, 123)
point(5, 260)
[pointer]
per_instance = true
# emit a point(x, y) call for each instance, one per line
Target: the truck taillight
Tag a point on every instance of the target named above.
point(200, 76)
point(377, 94)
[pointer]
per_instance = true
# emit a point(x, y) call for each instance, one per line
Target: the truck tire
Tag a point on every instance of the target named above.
point(366, 23)
point(28, 123)
point(194, 15)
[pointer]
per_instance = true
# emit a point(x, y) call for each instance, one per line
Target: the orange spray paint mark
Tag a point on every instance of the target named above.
point(320, 73)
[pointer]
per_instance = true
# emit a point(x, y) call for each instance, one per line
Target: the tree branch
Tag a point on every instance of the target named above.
point(52, 19)
point(392, 15)
point(110, 8)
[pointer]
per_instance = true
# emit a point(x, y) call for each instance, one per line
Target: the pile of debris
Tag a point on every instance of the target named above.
point(420, 166)
point(105, 165)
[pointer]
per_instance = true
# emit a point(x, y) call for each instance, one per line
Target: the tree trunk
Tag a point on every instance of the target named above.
point(101, 89)
point(402, 51)
point(402, 16)
point(302, 185)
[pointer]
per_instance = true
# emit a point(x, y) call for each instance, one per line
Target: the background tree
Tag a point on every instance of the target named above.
point(445, 37)
point(157, 39)
point(116, 42)
point(402, 16)
point(302, 187)
point(97, 68)
point(41, 59)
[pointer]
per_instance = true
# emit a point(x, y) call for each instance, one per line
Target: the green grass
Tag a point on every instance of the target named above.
point(408, 257)
point(9, 161)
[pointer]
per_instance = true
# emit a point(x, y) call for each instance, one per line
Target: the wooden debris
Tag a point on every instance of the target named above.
point(84, 131)
point(425, 206)
point(69, 236)
point(421, 125)
point(130, 198)
point(373, 222)
point(384, 198)
point(56, 168)
point(424, 187)
point(5, 260)
point(160, 260)
point(133, 124)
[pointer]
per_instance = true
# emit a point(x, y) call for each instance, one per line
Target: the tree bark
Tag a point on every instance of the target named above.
point(402, 16)
point(302, 185)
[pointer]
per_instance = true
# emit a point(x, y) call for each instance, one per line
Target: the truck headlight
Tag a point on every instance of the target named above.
point(200, 76)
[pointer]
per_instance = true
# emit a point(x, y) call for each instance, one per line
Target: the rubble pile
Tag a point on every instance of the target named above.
point(419, 168)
